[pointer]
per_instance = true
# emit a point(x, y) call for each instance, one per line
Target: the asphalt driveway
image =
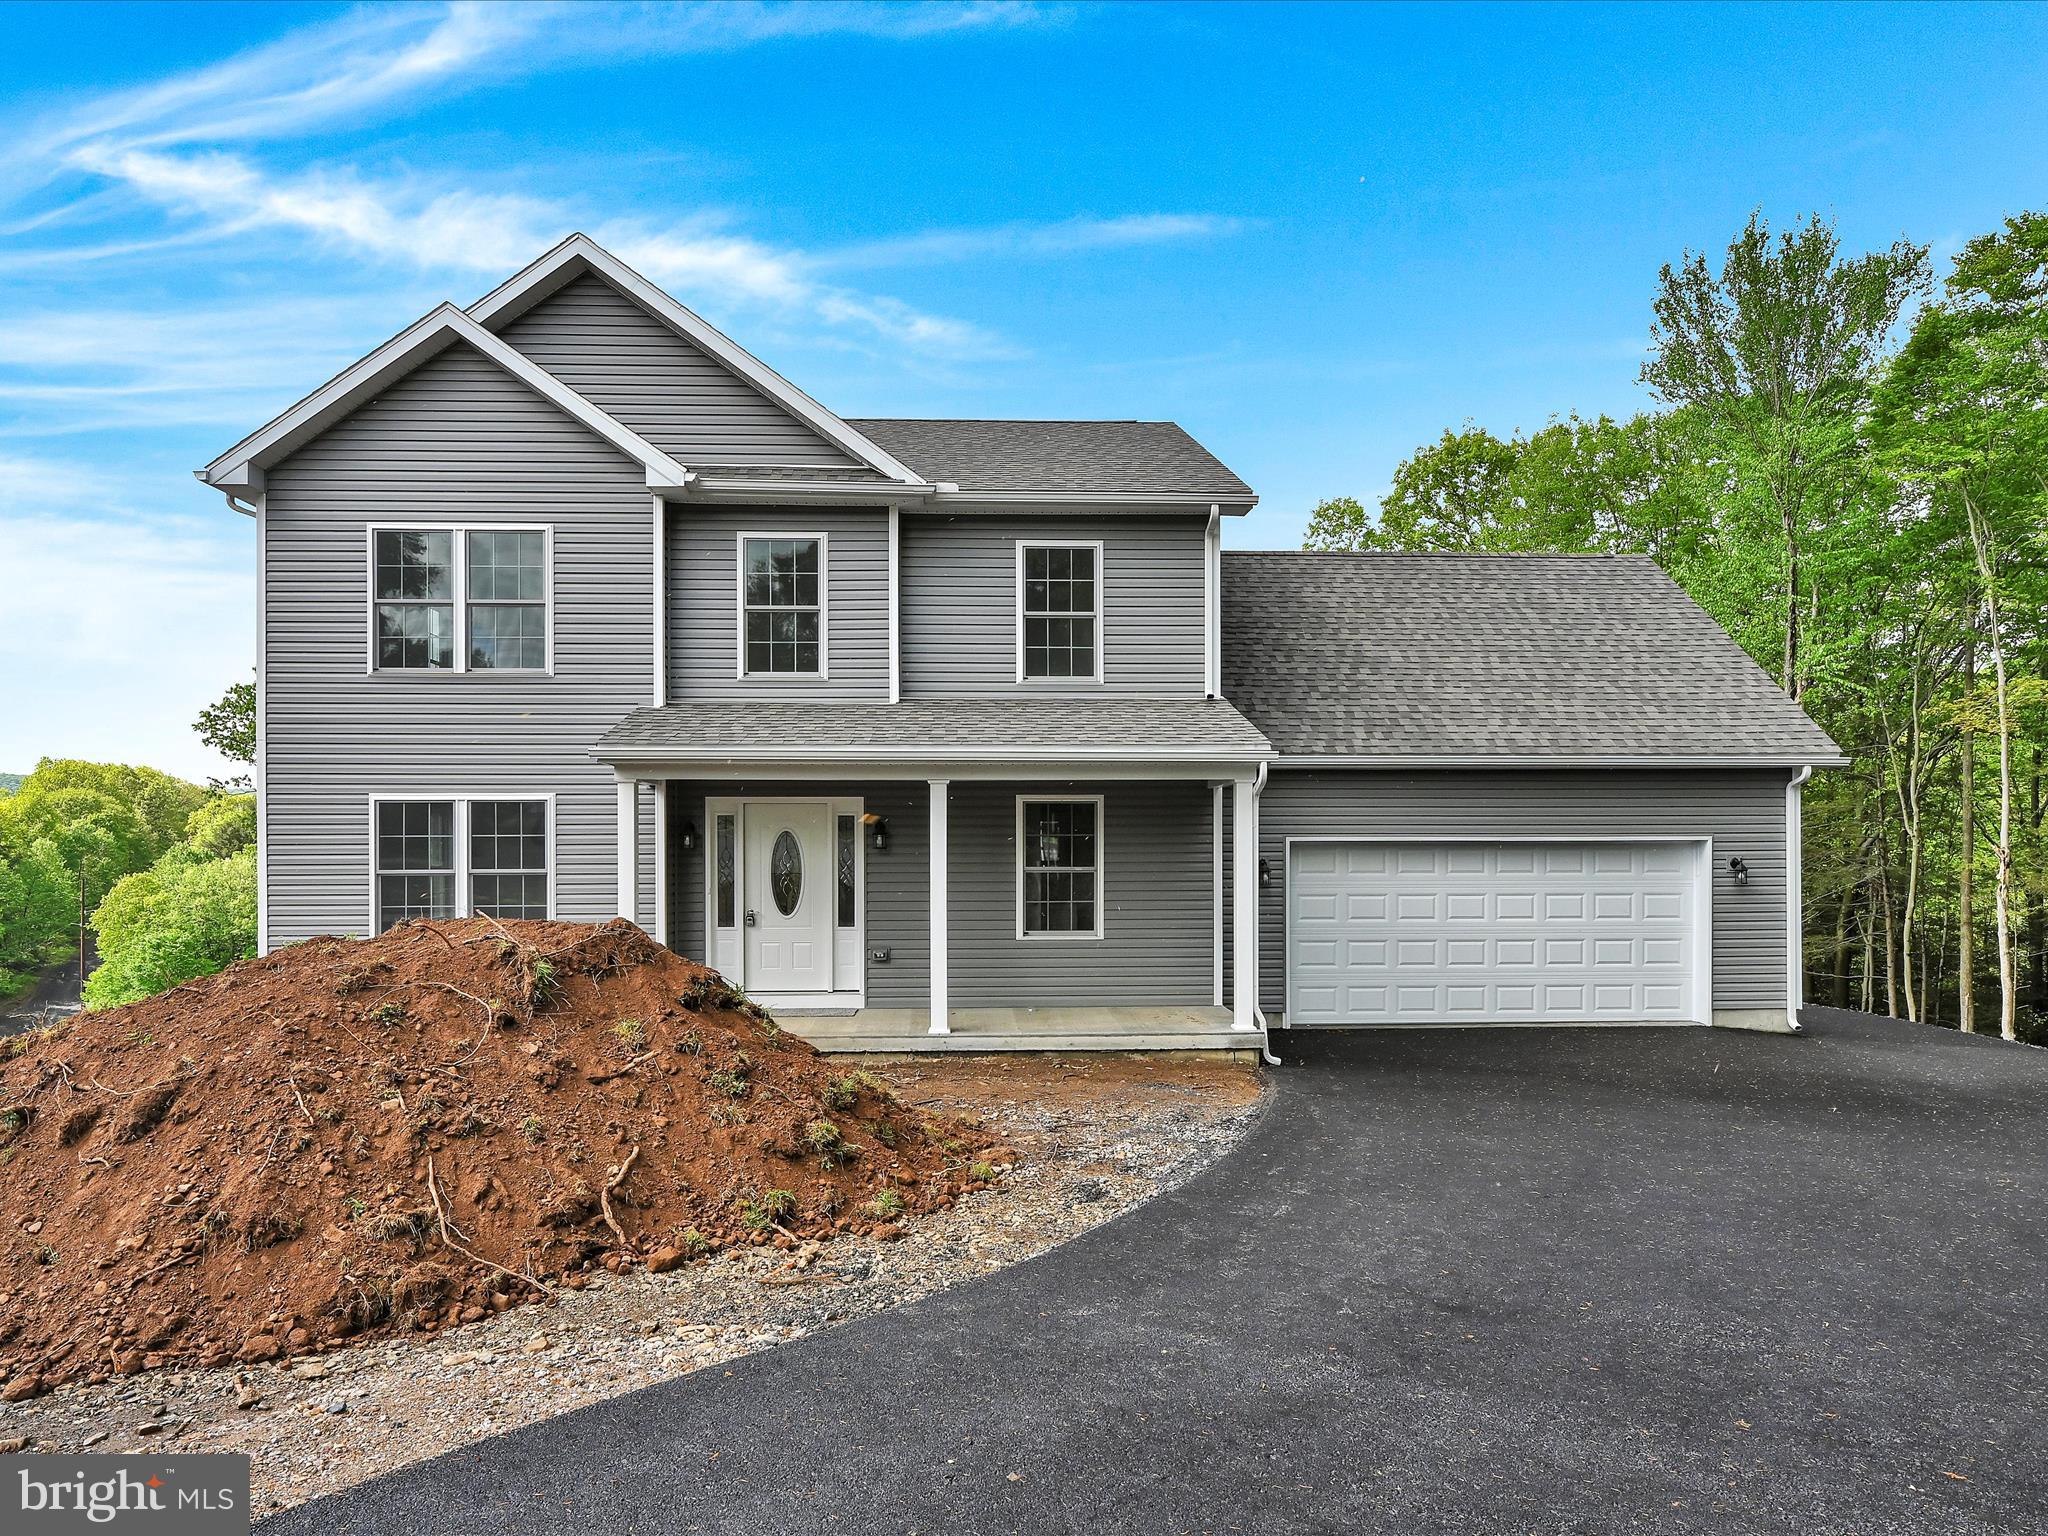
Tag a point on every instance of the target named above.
point(1536, 1281)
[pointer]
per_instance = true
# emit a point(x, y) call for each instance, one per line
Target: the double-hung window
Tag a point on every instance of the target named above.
point(459, 599)
point(1059, 868)
point(1059, 613)
point(459, 858)
point(782, 605)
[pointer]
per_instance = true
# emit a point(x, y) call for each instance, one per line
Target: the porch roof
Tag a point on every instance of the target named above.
point(1022, 730)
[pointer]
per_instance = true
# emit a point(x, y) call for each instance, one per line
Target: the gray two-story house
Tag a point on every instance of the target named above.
point(972, 732)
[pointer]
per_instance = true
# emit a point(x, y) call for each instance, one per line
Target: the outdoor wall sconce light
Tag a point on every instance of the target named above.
point(689, 836)
point(1740, 870)
point(1265, 875)
point(878, 832)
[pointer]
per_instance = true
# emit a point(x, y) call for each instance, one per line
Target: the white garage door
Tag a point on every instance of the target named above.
point(1492, 933)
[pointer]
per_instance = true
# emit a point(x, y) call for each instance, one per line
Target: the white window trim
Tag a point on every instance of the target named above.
point(460, 557)
point(1101, 611)
point(463, 798)
point(1101, 839)
point(739, 589)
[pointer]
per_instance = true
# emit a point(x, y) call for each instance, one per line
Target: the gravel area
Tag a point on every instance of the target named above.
point(1095, 1136)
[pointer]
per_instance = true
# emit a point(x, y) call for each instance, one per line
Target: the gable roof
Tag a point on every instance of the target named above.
point(1523, 659)
point(1132, 458)
point(579, 255)
point(241, 467)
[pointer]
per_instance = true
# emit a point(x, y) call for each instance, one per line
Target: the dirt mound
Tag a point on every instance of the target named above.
point(411, 1131)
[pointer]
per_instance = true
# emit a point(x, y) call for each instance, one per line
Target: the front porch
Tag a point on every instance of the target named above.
point(887, 1030)
point(996, 894)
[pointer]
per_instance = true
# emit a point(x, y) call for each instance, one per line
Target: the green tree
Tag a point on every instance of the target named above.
point(38, 912)
point(1778, 351)
point(224, 825)
point(228, 725)
point(185, 916)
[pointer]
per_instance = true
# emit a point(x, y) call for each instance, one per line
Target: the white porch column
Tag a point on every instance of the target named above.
point(629, 848)
point(1244, 948)
point(938, 904)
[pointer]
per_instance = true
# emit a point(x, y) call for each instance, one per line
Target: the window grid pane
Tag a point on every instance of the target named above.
point(413, 584)
point(507, 591)
point(1059, 853)
point(1059, 612)
point(415, 860)
point(783, 591)
point(508, 858)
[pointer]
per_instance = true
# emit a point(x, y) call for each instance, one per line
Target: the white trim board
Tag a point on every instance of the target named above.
point(240, 469)
point(579, 254)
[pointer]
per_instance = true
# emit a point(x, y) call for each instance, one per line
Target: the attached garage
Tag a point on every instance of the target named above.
point(1524, 789)
point(1484, 932)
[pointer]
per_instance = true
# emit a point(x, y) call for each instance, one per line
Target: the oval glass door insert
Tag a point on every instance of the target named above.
point(786, 872)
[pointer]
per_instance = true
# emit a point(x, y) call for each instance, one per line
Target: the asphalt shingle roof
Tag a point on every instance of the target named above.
point(1386, 655)
point(1133, 456)
point(1022, 729)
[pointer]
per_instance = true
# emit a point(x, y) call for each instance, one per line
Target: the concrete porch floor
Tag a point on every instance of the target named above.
point(1021, 1029)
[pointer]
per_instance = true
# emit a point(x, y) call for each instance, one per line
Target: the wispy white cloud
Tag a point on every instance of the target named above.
point(1062, 237)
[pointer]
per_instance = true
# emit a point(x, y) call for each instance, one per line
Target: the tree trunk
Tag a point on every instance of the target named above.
point(1891, 941)
point(1838, 957)
point(1788, 511)
point(2008, 999)
point(1966, 859)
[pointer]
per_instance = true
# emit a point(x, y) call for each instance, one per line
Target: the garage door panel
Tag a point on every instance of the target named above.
point(1502, 932)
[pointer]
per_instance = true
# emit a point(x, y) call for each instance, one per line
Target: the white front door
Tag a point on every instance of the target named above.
point(789, 885)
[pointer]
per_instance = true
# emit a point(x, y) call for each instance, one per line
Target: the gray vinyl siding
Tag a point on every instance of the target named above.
point(456, 441)
point(959, 602)
point(1743, 811)
point(1158, 913)
point(703, 598)
point(608, 349)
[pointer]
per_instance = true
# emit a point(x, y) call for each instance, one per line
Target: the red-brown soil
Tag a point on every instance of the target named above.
point(413, 1130)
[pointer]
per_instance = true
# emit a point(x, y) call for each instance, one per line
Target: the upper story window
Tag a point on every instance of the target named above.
point(1059, 613)
point(782, 605)
point(459, 599)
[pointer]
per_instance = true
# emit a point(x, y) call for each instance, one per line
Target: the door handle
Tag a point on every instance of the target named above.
point(750, 917)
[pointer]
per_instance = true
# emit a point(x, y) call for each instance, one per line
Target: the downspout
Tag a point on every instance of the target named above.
point(1265, 1029)
point(1795, 913)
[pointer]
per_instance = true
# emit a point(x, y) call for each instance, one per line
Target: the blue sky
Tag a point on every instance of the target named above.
point(1316, 236)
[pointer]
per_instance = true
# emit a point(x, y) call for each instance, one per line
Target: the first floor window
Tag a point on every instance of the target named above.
point(415, 860)
point(459, 599)
point(508, 858)
point(782, 600)
point(460, 858)
point(1060, 867)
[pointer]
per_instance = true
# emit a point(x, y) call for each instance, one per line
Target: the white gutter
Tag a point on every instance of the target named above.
point(1312, 760)
point(1258, 1013)
point(1795, 914)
